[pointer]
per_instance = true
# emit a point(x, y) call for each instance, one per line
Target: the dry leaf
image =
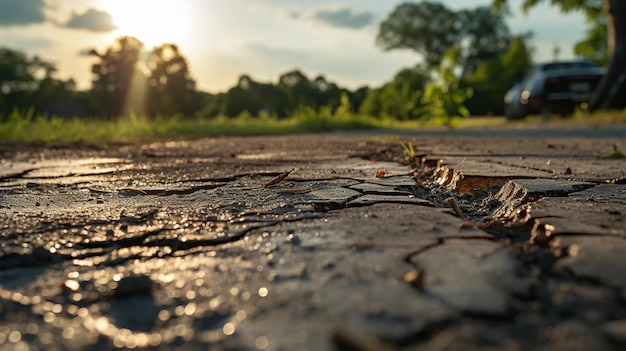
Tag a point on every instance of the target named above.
point(279, 179)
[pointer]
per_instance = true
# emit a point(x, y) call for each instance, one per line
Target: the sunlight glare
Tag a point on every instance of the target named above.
point(154, 22)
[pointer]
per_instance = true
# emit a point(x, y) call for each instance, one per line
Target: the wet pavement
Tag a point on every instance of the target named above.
point(182, 245)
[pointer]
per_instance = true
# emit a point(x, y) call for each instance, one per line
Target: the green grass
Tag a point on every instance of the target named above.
point(25, 127)
point(408, 149)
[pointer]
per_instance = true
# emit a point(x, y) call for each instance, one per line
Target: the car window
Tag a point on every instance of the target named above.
point(567, 65)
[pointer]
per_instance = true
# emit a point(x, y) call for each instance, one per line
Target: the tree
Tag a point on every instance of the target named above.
point(509, 67)
point(400, 98)
point(238, 98)
point(254, 98)
point(444, 98)
point(270, 99)
point(326, 93)
point(29, 82)
point(294, 92)
point(484, 36)
point(611, 91)
point(171, 89)
point(430, 29)
point(210, 104)
point(358, 96)
point(595, 44)
point(113, 75)
point(300, 90)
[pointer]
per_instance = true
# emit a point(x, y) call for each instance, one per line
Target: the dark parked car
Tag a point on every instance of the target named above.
point(553, 87)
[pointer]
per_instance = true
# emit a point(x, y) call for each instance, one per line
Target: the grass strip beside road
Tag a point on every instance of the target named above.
point(38, 129)
point(133, 127)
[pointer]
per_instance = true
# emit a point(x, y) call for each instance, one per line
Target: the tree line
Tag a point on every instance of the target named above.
point(470, 59)
point(126, 79)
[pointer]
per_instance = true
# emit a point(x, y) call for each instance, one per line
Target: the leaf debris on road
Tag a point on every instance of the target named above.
point(279, 179)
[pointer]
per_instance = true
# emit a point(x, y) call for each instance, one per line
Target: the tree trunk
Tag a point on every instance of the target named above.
point(611, 91)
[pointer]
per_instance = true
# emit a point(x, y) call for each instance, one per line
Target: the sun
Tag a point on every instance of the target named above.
point(154, 22)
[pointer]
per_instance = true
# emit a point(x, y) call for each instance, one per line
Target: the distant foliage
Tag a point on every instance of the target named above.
point(171, 89)
point(29, 83)
point(113, 75)
point(594, 46)
point(470, 55)
point(431, 29)
point(293, 93)
point(129, 80)
point(493, 77)
point(400, 98)
point(427, 27)
point(444, 99)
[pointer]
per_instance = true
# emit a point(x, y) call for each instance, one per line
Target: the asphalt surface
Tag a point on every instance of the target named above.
point(318, 242)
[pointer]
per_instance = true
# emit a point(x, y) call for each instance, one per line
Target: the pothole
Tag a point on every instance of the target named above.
point(562, 279)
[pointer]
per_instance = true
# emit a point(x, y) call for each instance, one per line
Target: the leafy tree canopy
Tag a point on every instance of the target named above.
point(171, 88)
point(113, 74)
point(29, 82)
point(431, 29)
point(19, 72)
point(509, 67)
point(428, 28)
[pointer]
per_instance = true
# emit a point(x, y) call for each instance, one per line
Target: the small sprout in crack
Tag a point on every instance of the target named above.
point(617, 153)
point(408, 149)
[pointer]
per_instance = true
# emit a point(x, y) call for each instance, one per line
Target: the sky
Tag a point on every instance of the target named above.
point(262, 38)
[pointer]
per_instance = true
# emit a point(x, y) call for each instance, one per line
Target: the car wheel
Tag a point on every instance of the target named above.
point(512, 113)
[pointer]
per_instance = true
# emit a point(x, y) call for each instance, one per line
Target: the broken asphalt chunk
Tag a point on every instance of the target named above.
point(517, 192)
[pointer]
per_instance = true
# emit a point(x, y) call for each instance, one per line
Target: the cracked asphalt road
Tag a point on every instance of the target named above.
point(180, 245)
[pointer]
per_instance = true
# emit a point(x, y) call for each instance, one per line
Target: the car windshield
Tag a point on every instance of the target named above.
point(566, 65)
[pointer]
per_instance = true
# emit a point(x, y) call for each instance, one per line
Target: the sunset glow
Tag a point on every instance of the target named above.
point(152, 21)
point(261, 38)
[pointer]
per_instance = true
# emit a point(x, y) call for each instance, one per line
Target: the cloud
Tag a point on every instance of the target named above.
point(93, 20)
point(276, 55)
point(21, 12)
point(344, 18)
